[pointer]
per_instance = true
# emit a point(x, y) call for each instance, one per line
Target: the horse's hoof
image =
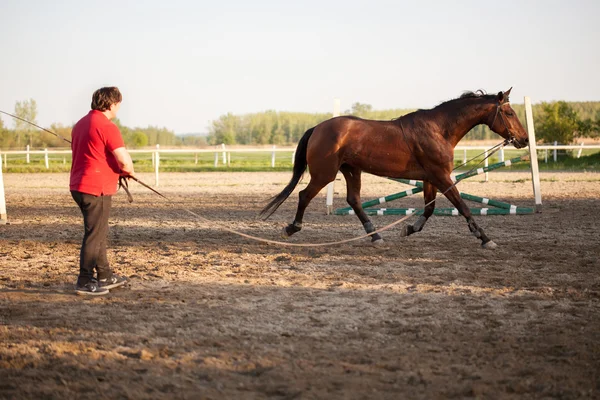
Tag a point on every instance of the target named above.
point(284, 234)
point(378, 243)
point(489, 245)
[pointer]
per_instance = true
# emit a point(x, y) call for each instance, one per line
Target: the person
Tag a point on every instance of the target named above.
point(99, 158)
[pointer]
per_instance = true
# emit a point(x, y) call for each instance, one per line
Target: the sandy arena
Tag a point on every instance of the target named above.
point(211, 315)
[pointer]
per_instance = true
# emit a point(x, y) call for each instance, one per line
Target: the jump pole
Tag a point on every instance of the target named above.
point(501, 208)
point(3, 218)
point(330, 186)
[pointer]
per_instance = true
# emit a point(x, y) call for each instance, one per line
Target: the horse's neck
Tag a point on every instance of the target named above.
point(459, 122)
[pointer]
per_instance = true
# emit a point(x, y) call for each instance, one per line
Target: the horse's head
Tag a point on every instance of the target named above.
point(503, 120)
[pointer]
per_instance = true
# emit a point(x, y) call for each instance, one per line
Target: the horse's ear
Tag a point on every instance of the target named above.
point(503, 97)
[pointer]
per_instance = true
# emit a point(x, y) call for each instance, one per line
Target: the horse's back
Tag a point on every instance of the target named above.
point(377, 147)
point(348, 130)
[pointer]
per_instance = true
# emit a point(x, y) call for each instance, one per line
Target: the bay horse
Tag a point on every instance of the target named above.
point(418, 146)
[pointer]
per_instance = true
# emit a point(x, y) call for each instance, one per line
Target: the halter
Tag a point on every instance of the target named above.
point(511, 136)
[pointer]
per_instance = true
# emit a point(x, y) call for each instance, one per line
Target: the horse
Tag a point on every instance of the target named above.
point(418, 146)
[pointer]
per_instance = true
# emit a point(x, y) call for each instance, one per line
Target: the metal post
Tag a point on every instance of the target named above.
point(535, 172)
point(330, 186)
point(3, 219)
point(555, 144)
point(156, 164)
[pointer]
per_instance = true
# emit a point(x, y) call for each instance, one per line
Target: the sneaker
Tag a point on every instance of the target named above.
point(112, 282)
point(91, 289)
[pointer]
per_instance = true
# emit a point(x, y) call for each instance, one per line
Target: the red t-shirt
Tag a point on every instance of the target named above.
point(95, 169)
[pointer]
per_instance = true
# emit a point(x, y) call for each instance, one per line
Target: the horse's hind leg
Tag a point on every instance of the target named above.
point(353, 185)
point(304, 198)
point(429, 193)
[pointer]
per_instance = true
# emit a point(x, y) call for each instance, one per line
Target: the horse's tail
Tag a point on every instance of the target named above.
point(299, 168)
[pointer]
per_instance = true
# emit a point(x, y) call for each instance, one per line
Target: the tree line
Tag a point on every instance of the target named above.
point(559, 121)
point(25, 134)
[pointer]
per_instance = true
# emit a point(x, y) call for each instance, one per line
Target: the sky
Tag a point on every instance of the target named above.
point(182, 64)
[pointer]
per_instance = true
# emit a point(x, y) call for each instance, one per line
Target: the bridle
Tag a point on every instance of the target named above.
point(511, 136)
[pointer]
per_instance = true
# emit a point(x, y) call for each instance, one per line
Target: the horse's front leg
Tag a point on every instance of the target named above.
point(429, 193)
point(454, 196)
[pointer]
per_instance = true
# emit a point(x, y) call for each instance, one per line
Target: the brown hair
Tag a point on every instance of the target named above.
point(105, 97)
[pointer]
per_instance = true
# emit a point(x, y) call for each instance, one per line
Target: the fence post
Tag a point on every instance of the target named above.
point(2, 199)
point(501, 154)
point(196, 160)
point(27, 156)
point(216, 156)
point(46, 158)
point(224, 154)
point(273, 157)
point(579, 152)
point(156, 164)
point(464, 156)
point(293, 157)
point(555, 157)
point(535, 172)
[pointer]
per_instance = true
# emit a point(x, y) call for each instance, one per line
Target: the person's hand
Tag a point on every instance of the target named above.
point(127, 175)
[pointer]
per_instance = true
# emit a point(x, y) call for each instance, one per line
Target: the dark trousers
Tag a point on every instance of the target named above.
point(95, 210)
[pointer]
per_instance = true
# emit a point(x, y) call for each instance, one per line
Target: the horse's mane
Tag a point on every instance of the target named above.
point(468, 94)
point(480, 93)
point(471, 95)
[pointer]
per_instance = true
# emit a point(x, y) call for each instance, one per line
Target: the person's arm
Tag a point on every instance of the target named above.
point(124, 160)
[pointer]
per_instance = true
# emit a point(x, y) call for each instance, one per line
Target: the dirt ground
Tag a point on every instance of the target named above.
point(208, 314)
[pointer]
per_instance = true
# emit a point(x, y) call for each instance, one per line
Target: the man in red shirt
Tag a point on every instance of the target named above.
point(99, 158)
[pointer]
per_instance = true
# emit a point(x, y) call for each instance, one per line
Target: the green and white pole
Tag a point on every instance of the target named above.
point(381, 200)
point(443, 211)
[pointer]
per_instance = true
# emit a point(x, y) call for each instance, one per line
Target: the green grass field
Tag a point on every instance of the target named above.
point(261, 161)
